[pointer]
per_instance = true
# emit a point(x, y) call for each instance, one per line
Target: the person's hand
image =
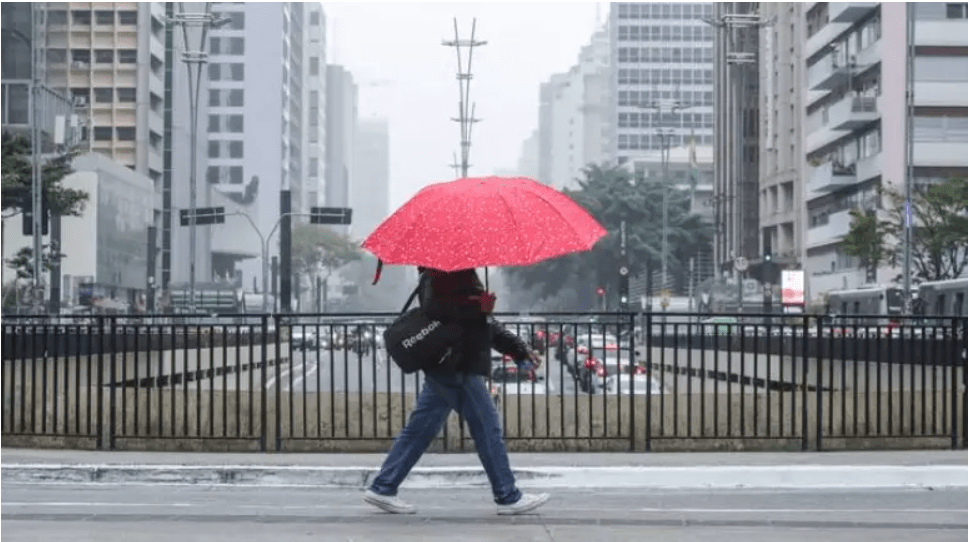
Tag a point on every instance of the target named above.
point(531, 363)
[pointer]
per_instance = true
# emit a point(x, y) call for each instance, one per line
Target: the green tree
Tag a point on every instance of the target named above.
point(612, 195)
point(317, 248)
point(939, 236)
point(23, 261)
point(865, 241)
point(16, 180)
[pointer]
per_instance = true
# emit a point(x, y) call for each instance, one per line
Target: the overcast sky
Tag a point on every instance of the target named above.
point(404, 73)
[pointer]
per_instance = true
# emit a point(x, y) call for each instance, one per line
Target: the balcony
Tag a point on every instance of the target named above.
point(849, 12)
point(852, 113)
point(838, 224)
point(831, 176)
point(827, 74)
point(823, 38)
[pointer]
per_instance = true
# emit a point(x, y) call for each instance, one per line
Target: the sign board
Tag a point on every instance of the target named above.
point(331, 215)
point(741, 264)
point(791, 287)
point(623, 270)
point(203, 216)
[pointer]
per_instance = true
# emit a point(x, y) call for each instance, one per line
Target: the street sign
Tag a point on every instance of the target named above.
point(600, 291)
point(331, 215)
point(623, 270)
point(768, 290)
point(204, 216)
point(741, 264)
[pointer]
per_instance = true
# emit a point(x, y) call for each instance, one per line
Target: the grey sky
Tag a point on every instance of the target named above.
point(401, 43)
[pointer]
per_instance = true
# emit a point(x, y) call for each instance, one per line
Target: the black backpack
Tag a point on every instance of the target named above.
point(417, 342)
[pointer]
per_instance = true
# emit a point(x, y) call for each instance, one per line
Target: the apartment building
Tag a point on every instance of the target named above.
point(856, 113)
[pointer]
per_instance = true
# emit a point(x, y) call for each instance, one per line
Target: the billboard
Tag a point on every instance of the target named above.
point(791, 287)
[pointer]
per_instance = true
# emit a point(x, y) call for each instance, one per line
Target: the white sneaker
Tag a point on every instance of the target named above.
point(392, 505)
point(527, 503)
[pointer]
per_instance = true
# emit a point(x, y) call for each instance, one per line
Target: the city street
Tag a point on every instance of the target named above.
point(123, 513)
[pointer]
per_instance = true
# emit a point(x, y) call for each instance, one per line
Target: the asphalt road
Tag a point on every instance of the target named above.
point(103, 513)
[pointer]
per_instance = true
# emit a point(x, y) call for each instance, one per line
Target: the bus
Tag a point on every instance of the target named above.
point(876, 305)
point(942, 298)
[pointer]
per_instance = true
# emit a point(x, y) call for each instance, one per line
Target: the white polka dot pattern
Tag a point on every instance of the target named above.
point(484, 222)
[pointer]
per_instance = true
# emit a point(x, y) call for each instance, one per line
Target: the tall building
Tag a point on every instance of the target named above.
point(527, 165)
point(662, 76)
point(341, 119)
point(314, 181)
point(370, 197)
point(111, 59)
point(781, 160)
point(256, 121)
point(854, 134)
point(574, 116)
point(736, 201)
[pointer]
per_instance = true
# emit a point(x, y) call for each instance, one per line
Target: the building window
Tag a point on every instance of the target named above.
point(125, 134)
point(127, 94)
point(105, 18)
point(236, 149)
point(213, 98)
point(236, 97)
point(238, 71)
point(104, 95)
point(237, 46)
point(314, 66)
point(104, 56)
point(235, 175)
point(238, 20)
point(215, 72)
point(128, 17)
point(103, 133)
point(314, 18)
point(212, 174)
point(81, 17)
point(128, 56)
point(235, 124)
point(957, 11)
point(215, 46)
point(214, 126)
point(57, 17)
point(81, 57)
point(213, 149)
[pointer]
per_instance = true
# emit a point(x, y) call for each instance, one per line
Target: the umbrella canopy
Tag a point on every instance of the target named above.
point(484, 222)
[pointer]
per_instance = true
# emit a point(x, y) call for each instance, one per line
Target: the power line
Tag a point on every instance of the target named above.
point(466, 109)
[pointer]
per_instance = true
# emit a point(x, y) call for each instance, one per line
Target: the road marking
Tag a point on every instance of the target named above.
point(313, 367)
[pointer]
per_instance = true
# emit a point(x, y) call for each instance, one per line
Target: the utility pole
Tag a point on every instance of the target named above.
point(909, 158)
point(194, 60)
point(465, 116)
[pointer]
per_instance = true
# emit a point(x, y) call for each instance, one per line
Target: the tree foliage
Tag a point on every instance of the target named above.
point(317, 247)
point(612, 195)
point(939, 247)
point(23, 261)
point(17, 183)
point(864, 240)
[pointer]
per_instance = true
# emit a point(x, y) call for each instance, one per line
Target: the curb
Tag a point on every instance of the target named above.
point(708, 477)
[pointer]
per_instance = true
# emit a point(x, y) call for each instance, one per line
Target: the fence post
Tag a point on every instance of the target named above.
point(964, 381)
point(647, 339)
point(805, 378)
point(264, 392)
point(277, 324)
point(821, 360)
point(957, 348)
point(633, 365)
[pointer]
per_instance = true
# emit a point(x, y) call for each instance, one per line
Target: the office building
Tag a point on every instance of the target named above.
point(662, 62)
point(855, 123)
point(370, 197)
point(341, 119)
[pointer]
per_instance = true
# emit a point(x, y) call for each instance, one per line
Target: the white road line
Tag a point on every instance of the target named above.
point(306, 374)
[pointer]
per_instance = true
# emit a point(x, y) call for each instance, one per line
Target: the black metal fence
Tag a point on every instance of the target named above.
point(609, 382)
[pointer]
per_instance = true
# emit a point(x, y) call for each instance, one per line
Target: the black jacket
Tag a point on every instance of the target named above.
point(447, 297)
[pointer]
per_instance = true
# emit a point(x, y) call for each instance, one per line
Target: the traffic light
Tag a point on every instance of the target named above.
point(768, 257)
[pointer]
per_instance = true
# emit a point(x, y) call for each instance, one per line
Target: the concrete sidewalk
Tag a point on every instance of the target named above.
point(934, 469)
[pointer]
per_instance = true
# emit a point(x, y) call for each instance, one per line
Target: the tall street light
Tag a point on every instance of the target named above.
point(665, 140)
point(194, 60)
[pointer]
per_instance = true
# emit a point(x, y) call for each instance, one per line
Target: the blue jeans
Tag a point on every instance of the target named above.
point(468, 394)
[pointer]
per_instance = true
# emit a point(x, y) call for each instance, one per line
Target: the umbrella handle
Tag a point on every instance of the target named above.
point(486, 286)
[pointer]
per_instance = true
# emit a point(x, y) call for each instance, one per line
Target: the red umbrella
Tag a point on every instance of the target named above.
point(482, 222)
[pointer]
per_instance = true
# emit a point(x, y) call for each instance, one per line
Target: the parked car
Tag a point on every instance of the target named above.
point(509, 380)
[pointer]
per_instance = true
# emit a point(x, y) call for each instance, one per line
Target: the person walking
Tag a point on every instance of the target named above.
point(459, 297)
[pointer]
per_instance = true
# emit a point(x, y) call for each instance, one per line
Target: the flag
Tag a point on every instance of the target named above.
point(693, 163)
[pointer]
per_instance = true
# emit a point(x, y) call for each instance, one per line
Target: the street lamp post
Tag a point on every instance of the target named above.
point(194, 60)
point(665, 136)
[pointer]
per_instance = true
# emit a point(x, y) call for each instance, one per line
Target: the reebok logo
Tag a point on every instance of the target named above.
point(409, 342)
